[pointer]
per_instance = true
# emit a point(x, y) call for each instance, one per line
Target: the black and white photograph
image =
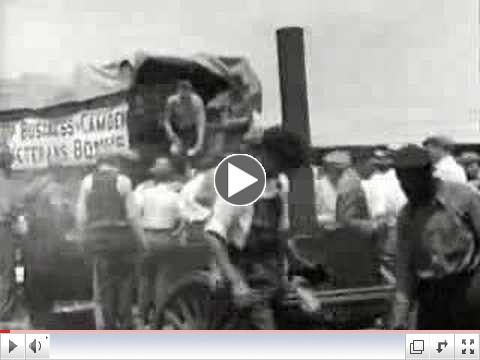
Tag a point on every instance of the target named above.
point(240, 165)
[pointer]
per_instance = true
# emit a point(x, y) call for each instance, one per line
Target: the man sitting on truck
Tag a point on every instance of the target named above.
point(185, 120)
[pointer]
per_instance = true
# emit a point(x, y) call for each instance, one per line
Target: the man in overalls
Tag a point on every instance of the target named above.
point(250, 242)
point(107, 219)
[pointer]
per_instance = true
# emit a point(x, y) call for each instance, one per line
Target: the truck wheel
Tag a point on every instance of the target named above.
point(193, 304)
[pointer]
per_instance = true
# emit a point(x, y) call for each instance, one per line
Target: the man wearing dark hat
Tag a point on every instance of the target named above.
point(185, 120)
point(445, 166)
point(470, 161)
point(107, 219)
point(436, 250)
point(158, 201)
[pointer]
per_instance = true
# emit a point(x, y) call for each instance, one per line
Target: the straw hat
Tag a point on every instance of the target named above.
point(468, 157)
point(161, 165)
point(338, 158)
point(441, 141)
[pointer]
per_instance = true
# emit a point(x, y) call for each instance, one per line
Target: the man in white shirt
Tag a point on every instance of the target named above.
point(198, 194)
point(334, 163)
point(158, 202)
point(446, 167)
point(385, 199)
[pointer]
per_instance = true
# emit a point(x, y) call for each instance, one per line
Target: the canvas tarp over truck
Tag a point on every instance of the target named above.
point(43, 118)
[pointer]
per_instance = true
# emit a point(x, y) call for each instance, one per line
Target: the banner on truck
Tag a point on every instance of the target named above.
point(71, 140)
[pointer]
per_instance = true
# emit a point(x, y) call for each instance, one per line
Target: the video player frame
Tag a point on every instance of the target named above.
point(114, 217)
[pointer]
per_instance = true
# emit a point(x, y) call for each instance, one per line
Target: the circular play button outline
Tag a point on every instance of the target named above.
point(242, 163)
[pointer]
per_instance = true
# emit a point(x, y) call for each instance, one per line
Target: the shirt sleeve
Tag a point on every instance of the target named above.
point(125, 188)
point(139, 197)
point(189, 207)
point(81, 208)
point(124, 185)
point(230, 223)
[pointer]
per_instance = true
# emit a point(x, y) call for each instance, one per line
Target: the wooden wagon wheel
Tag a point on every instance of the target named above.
point(194, 305)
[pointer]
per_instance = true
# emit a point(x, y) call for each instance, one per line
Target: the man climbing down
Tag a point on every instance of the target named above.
point(250, 242)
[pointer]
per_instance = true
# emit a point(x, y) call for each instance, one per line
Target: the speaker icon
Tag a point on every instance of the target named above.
point(35, 346)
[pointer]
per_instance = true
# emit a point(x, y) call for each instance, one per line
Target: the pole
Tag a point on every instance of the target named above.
point(293, 86)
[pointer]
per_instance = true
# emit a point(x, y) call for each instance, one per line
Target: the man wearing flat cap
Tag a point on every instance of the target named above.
point(107, 219)
point(436, 247)
point(353, 208)
point(446, 168)
point(335, 165)
point(470, 161)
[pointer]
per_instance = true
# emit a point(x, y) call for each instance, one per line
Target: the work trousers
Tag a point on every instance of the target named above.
point(114, 276)
point(443, 305)
point(155, 268)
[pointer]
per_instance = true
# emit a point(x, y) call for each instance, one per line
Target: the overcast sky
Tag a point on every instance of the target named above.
point(374, 65)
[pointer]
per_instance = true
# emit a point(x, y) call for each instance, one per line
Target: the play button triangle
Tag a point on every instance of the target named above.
point(11, 346)
point(238, 180)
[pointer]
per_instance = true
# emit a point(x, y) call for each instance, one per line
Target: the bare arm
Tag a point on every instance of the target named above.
point(132, 209)
point(167, 124)
point(81, 208)
point(201, 120)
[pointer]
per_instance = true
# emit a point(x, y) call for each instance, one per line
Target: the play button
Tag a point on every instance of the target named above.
point(11, 346)
point(240, 179)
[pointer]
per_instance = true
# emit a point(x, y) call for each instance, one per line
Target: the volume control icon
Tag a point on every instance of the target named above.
point(35, 346)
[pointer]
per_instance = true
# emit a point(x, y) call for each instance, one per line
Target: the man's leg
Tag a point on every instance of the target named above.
point(105, 291)
point(125, 279)
point(262, 316)
point(146, 286)
point(442, 304)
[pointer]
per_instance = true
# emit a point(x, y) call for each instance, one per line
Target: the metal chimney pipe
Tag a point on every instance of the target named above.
point(293, 86)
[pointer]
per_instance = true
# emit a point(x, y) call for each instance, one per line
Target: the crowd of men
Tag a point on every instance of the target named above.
point(425, 203)
point(420, 201)
point(124, 227)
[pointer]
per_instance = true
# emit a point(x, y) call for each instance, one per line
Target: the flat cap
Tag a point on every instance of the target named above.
point(441, 141)
point(338, 158)
point(382, 157)
point(468, 157)
point(411, 157)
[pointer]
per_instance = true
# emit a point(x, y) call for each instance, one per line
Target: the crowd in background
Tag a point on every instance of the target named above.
point(424, 204)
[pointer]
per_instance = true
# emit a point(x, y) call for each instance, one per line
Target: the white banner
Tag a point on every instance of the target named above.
point(70, 140)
